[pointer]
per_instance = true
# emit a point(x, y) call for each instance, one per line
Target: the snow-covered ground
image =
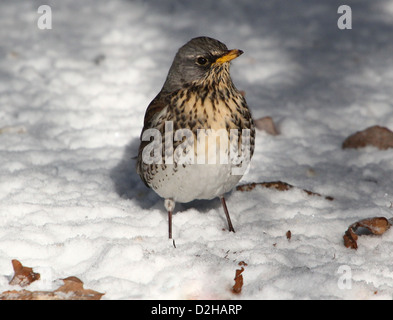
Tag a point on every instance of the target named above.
point(72, 101)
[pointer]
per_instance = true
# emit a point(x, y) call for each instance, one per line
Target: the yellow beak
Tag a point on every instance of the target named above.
point(230, 55)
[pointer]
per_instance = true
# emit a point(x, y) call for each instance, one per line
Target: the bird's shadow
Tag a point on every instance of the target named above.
point(128, 185)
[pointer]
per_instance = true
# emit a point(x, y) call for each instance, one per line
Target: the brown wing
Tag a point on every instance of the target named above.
point(152, 112)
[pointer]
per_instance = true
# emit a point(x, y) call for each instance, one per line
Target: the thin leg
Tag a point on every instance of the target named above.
point(169, 206)
point(224, 205)
point(170, 224)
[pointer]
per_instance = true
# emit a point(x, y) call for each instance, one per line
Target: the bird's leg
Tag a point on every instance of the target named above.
point(224, 205)
point(169, 206)
point(170, 224)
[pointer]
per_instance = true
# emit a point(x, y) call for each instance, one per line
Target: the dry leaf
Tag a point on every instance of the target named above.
point(23, 276)
point(237, 288)
point(28, 295)
point(289, 234)
point(278, 185)
point(266, 124)
point(376, 225)
point(16, 295)
point(350, 238)
point(73, 289)
point(376, 136)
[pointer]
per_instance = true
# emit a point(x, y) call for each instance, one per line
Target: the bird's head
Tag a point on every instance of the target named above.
point(200, 59)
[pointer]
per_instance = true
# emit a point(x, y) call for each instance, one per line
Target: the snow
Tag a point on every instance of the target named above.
point(72, 101)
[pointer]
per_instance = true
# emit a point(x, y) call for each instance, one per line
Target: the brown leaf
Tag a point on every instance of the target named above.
point(376, 225)
point(28, 295)
point(278, 185)
point(289, 234)
point(73, 289)
point(246, 187)
point(376, 136)
point(16, 295)
point(266, 124)
point(237, 288)
point(350, 238)
point(23, 276)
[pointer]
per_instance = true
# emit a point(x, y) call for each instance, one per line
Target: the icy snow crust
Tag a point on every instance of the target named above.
point(72, 101)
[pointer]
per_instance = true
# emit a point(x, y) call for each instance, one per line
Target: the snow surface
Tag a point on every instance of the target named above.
point(72, 101)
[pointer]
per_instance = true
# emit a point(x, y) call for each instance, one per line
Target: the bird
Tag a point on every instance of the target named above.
point(198, 95)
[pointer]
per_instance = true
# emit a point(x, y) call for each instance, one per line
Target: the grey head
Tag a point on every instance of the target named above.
point(196, 60)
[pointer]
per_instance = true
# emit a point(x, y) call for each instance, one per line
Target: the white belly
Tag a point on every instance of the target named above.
point(194, 181)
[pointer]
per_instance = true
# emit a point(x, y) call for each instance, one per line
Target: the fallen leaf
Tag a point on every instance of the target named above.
point(289, 234)
point(266, 124)
point(350, 239)
point(376, 136)
point(278, 185)
point(237, 288)
point(16, 295)
point(23, 276)
point(29, 295)
point(73, 289)
point(376, 226)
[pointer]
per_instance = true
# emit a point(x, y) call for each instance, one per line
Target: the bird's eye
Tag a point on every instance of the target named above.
point(201, 61)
